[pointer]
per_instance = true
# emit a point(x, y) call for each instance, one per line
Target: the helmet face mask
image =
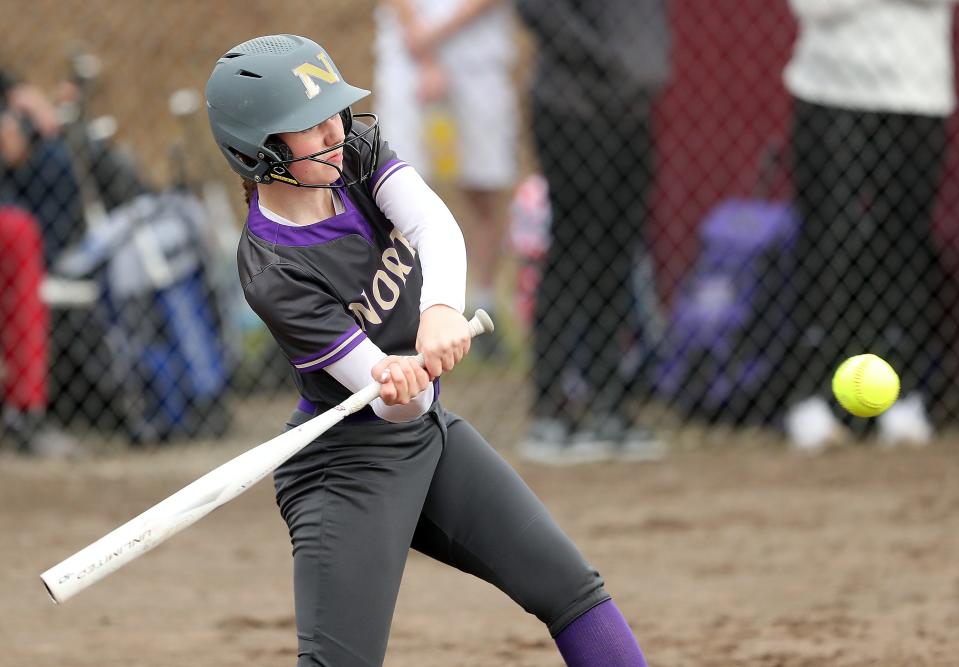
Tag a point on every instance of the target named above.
point(284, 83)
point(352, 145)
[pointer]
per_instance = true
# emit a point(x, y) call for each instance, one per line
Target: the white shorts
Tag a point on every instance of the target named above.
point(481, 102)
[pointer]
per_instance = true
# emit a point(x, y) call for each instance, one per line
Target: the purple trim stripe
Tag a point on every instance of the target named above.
point(329, 348)
point(339, 349)
point(387, 170)
point(386, 167)
point(351, 221)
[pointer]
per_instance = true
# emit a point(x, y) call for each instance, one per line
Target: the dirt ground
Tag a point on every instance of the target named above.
point(726, 554)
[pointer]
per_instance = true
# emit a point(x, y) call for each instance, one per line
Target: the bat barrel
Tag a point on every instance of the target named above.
point(99, 559)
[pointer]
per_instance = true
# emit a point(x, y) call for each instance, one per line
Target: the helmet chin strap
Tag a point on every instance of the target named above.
point(280, 172)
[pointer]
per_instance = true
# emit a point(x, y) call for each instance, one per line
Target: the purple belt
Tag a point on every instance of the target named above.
point(365, 414)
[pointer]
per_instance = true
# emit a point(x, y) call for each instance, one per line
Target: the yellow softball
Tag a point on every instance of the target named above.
point(865, 385)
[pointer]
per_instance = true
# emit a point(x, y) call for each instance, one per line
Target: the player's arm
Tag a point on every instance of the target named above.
point(404, 197)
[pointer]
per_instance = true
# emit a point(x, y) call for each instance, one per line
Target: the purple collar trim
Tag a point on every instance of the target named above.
point(351, 221)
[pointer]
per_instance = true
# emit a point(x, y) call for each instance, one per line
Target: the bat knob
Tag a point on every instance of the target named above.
point(481, 322)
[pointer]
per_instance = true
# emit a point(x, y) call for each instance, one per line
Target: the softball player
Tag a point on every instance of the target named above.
point(354, 264)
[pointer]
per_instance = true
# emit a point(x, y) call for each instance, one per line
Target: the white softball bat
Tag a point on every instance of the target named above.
point(196, 500)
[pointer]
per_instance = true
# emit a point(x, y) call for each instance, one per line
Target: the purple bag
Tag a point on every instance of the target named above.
point(720, 349)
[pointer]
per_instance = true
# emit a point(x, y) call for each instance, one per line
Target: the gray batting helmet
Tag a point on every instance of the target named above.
point(284, 83)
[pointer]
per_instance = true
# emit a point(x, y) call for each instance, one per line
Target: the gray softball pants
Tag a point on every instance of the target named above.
point(358, 498)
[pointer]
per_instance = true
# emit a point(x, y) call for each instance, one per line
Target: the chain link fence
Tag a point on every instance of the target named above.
point(683, 215)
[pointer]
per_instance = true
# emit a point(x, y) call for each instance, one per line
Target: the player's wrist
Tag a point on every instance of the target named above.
point(440, 308)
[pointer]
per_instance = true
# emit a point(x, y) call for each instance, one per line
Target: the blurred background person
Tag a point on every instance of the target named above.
point(873, 85)
point(455, 55)
point(599, 68)
point(42, 179)
point(28, 227)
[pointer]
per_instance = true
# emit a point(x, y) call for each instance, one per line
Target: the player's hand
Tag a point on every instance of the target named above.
point(443, 338)
point(401, 379)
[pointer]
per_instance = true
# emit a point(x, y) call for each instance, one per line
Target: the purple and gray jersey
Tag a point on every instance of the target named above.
point(326, 288)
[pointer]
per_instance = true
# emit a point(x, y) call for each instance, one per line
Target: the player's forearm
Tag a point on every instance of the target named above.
point(428, 225)
point(354, 372)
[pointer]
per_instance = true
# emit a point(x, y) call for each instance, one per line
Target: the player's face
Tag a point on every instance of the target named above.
point(313, 140)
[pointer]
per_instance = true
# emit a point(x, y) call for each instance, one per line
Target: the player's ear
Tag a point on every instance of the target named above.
point(242, 158)
point(279, 148)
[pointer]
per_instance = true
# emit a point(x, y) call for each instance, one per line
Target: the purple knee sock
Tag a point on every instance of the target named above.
point(600, 638)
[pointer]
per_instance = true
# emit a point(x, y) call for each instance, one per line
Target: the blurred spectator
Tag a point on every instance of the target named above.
point(24, 318)
point(457, 53)
point(873, 83)
point(41, 179)
point(108, 173)
point(600, 66)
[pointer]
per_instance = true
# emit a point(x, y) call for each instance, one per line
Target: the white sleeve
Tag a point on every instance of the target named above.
point(353, 372)
point(826, 10)
point(426, 222)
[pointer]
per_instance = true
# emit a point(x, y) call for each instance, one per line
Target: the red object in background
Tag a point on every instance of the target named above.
point(529, 240)
point(24, 318)
point(723, 106)
point(948, 204)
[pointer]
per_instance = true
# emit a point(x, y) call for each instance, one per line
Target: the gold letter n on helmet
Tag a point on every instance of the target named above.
point(307, 72)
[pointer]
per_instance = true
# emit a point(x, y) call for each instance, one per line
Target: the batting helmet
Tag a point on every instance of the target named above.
point(285, 83)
